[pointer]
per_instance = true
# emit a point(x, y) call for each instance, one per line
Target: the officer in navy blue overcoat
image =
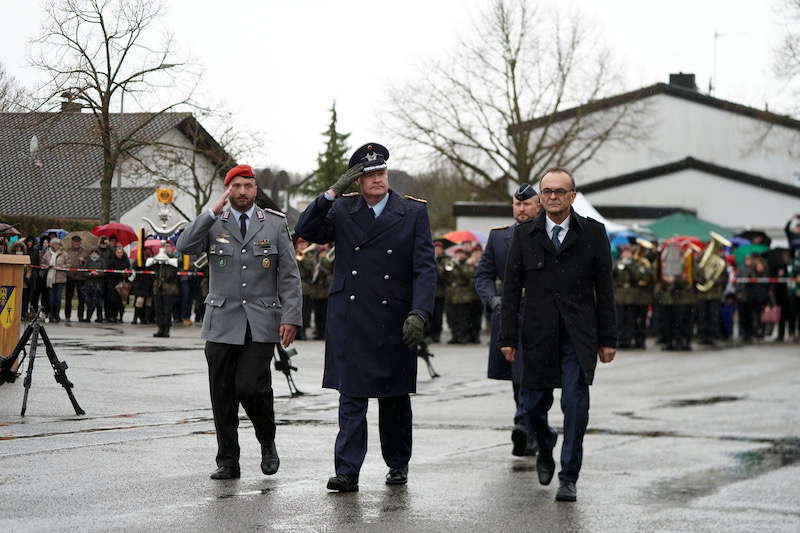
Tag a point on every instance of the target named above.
point(492, 266)
point(381, 297)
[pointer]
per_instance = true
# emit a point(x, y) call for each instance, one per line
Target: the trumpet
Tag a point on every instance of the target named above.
point(640, 258)
point(711, 265)
point(300, 254)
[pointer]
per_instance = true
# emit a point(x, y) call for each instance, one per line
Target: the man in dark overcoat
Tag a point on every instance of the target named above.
point(562, 260)
point(492, 266)
point(380, 299)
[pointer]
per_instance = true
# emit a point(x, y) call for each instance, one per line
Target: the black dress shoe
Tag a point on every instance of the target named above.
point(342, 483)
point(567, 492)
point(545, 465)
point(532, 448)
point(519, 438)
point(226, 472)
point(269, 459)
point(397, 476)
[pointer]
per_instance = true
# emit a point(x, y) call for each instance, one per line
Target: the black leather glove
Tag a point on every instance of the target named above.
point(495, 303)
point(346, 179)
point(413, 330)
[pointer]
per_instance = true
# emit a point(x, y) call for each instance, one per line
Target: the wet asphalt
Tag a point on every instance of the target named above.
point(700, 441)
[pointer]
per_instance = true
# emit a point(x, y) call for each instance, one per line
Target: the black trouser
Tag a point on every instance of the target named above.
point(320, 306)
point(93, 295)
point(475, 320)
point(458, 319)
point(394, 427)
point(240, 374)
point(639, 325)
point(745, 320)
point(708, 319)
point(792, 314)
point(39, 297)
point(74, 285)
point(437, 319)
point(685, 324)
point(626, 320)
point(301, 335)
point(162, 305)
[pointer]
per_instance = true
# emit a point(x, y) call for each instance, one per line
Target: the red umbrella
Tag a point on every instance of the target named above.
point(153, 244)
point(124, 233)
point(461, 236)
point(684, 240)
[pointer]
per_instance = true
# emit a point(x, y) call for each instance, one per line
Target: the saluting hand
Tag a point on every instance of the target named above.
point(509, 353)
point(222, 202)
point(606, 354)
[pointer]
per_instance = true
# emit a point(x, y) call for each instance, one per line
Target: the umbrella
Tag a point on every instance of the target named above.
point(748, 249)
point(153, 244)
point(739, 241)
point(683, 224)
point(755, 236)
point(124, 233)
point(7, 230)
point(461, 236)
point(621, 238)
point(60, 233)
point(684, 239)
point(89, 240)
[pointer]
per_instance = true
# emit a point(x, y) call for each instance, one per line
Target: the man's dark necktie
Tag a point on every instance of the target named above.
point(372, 212)
point(556, 242)
point(243, 224)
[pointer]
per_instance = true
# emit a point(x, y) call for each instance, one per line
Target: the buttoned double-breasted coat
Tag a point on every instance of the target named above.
point(384, 269)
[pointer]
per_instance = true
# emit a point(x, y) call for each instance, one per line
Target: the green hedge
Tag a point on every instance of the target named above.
point(35, 225)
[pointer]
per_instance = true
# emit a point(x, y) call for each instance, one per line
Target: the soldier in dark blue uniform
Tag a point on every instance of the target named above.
point(492, 267)
point(380, 299)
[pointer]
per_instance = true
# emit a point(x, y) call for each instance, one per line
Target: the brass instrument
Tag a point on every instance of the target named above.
point(201, 261)
point(688, 262)
point(640, 258)
point(300, 254)
point(711, 265)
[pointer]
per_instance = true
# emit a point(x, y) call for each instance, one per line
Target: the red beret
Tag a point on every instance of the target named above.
point(239, 170)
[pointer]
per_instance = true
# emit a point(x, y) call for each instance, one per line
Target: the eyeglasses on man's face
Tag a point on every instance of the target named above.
point(558, 192)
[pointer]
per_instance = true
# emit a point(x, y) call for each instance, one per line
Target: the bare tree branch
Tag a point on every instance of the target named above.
point(521, 65)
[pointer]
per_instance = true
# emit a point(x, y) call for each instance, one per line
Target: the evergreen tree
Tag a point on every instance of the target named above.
point(331, 163)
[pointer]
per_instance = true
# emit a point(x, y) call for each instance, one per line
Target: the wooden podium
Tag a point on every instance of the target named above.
point(12, 268)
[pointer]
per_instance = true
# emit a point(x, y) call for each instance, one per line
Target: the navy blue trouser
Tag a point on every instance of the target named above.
point(574, 405)
point(394, 425)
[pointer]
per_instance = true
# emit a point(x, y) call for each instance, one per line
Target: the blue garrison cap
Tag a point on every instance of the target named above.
point(524, 192)
point(372, 155)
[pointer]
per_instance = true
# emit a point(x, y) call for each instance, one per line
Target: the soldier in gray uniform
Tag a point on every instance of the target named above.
point(254, 301)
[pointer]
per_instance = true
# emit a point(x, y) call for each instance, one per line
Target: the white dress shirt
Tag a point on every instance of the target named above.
point(549, 224)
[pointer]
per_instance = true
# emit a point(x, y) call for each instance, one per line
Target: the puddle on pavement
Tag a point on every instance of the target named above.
point(174, 374)
point(120, 348)
point(747, 465)
point(709, 400)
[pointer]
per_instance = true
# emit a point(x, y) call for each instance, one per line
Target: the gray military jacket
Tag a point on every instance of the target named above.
point(252, 279)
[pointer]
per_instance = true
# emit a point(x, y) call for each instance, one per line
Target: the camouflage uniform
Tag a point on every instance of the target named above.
point(460, 297)
point(320, 287)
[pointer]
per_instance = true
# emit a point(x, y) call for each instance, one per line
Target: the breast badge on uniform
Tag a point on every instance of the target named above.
point(265, 262)
point(223, 238)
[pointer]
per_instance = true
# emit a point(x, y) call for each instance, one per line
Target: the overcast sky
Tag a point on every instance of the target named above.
point(280, 64)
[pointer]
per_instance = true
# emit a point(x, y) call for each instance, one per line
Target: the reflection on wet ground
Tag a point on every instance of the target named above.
point(748, 465)
point(709, 400)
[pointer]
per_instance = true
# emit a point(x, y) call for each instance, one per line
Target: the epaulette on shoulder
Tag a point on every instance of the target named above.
point(420, 200)
point(350, 194)
point(500, 227)
point(274, 212)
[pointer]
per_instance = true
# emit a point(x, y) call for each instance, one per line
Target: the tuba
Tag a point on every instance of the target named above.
point(300, 254)
point(711, 265)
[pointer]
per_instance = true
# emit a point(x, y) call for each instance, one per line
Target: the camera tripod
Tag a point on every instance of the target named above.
point(10, 364)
